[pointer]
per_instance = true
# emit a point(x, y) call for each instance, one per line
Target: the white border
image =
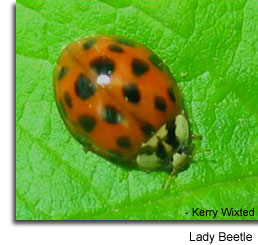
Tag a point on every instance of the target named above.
point(76, 233)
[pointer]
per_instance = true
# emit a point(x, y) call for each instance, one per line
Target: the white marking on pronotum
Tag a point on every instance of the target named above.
point(177, 157)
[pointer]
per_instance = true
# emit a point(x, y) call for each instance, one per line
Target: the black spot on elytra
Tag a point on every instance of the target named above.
point(161, 152)
point(63, 71)
point(84, 88)
point(115, 48)
point(139, 67)
point(171, 94)
point(123, 142)
point(89, 43)
point(160, 103)
point(68, 100)
point(103, 65)
point(155, 60)
point(171, 138)
point(131, 93)
point(111, 115)
point(125, 41)
point(147, 129)
point(87, 122)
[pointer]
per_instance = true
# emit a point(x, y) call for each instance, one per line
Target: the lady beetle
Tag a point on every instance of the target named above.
point(120, 101)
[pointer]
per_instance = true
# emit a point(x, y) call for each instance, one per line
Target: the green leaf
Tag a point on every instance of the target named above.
point(211, 48)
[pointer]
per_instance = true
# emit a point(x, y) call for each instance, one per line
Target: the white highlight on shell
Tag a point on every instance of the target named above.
point(103, 79)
